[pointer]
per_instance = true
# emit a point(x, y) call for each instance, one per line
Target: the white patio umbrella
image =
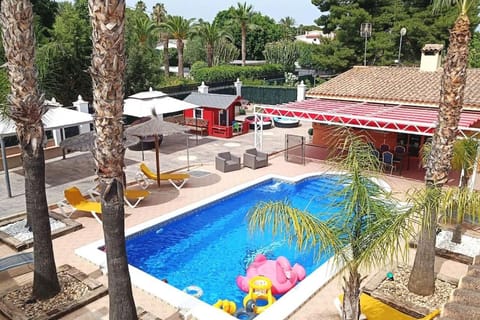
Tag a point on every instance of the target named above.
point(154, 127)
point(141, 104)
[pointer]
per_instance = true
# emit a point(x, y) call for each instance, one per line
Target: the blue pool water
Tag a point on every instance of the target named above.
point(210, 246)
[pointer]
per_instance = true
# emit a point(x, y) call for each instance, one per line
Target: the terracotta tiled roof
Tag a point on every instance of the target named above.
point(399, 85)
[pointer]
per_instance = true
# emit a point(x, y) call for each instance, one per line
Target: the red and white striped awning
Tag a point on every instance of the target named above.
point(376, 116)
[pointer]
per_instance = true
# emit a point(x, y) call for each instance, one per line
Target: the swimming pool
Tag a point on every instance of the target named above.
point(208, 246)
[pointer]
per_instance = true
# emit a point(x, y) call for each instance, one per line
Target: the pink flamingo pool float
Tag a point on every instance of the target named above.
point(280, 272)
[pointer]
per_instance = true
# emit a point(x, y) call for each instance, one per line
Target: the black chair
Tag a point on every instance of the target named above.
point(399, 149)
point(384, 147)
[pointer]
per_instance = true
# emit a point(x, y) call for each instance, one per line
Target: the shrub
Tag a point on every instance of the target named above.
point(231, 73)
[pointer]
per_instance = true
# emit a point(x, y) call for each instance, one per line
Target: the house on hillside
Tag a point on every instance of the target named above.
point(314, 36)
point(394, 106)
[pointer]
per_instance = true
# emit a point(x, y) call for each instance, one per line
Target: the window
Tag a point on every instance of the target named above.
point(198, 113)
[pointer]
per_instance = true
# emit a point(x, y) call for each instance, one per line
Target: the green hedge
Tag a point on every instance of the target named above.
point(231, 73)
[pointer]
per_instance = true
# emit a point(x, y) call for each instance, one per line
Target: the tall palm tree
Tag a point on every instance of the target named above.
point(243, 14)
point(180, 29)
point(140, 6)
point(26, 110)
point(422, 277)
point(107, 71)
point(288, 25)
point(211, 34)
point(367, 230)
point(159, 15)
point(459, 202)
point(144, 31)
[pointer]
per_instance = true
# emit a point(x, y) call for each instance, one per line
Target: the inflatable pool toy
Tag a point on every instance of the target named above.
point(195, 291)
point(226, 305)
point(259, 296)
point(243, 314)
point(282, 275)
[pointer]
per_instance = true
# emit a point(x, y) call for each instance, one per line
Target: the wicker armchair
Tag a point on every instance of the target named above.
point(226, 162)
point(254, 159)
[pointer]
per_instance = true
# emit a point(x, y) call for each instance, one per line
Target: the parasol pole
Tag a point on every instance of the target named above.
point(157, 158)
point(188, 156)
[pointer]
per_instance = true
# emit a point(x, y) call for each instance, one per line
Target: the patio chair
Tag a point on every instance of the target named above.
point(77, 201)
point(176, 179)
point(387, 161)
point(384, 147)
point(255, 159)
point(16, 260)
point(226, 162)
point(132, 197)
point(135, 195)
point(374, 309)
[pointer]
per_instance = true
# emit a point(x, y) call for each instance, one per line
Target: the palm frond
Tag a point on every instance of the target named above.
point(296, 226)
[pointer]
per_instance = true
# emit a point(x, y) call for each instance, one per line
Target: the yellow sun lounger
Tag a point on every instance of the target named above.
point(136, 195)
point(77, 201)
point(128, 194)
point(374, 309)
point(176, 179)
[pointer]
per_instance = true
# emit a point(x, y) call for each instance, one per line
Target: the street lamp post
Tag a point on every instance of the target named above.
point(365, 31)
point(403, 32)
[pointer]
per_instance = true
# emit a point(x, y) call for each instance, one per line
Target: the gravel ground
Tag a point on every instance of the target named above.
point(397, 290)
point(470, 246)
point(18, 231)
point(72, 290)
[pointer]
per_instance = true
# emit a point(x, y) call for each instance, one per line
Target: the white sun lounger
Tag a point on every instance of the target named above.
point(16, 260)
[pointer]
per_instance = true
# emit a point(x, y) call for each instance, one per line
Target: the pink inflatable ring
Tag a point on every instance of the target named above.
point(280, 272)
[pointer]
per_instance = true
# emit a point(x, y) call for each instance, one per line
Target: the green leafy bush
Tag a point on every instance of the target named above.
point(282, 52)
point(231, 73)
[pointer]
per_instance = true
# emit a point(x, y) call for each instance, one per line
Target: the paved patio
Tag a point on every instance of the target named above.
point(77, 169)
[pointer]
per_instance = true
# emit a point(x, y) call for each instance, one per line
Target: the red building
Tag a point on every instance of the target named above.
point(216, 114)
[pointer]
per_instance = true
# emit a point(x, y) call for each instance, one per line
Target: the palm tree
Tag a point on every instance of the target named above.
point(140, 6)
point(459, 202)
point(243, 15)
point(107, 71)
point(160, 16)
point(211, 34)
point(26, 110)
point(144, 31)
point(180, 29)
point(422, 277)
point(288, 24)
point(367, 230)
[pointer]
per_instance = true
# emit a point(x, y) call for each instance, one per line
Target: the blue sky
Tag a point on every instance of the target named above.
point(303, 11)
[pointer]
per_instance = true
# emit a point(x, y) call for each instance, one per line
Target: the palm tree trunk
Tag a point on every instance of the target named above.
point(244, 43)
point(457, 233)
point(209, 55)
point(351, 298)
point(107, 71)
point(422, 278)
point(27, 110)
point(166, 60)
point(180, 57)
